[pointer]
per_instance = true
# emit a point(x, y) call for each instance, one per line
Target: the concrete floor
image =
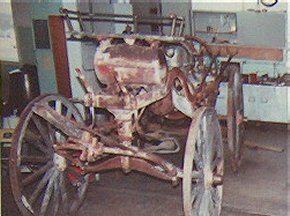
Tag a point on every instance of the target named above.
point(258, 189)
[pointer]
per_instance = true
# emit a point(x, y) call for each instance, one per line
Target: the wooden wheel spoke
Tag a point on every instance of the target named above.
point(215, 163)
point(197, 190)
point(48, 193)
point(80, 194)
point(57, 198)
point(196, 174)
point(55, 134)
point(51, 132)
point(63, 192)
point(216, 159)
point(215, 195)
point(211, 147)
point(42, 183)
point(40, 147)
point(197, 197)
point(35, 175)
point(43, 130)
point(69, 114)
point(58, 106)
point(31, 139)
point(207, 203)
point(62, 124)
point(198, 156)
point(34, 159)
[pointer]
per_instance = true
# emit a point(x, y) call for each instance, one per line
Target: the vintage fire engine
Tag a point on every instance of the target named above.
point(56, 152)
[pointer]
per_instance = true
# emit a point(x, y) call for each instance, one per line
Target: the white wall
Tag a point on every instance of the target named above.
point(222, 5)
point(180, 8)
point(288, 40)
point(81, 54)
point(235, 5)
point(8, 50)
point(122, 8)
point(252, 5)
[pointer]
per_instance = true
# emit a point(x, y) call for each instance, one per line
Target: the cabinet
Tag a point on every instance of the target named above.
point(214, 22)
point(265, 103)
point(261, 102)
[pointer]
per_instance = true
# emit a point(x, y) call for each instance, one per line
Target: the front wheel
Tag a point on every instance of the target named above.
point(43, 182)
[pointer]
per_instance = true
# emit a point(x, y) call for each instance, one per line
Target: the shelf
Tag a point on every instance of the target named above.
point(248, 52)
point(206, 32)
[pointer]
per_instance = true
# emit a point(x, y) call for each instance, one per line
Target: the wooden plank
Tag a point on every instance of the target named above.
point(59, 49)
point(254, 145)
point(248, 52)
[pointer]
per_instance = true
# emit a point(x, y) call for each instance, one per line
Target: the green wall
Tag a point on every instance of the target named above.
point(23, 14)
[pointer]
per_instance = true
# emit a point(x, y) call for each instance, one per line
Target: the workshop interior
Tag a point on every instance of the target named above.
point(160, 108)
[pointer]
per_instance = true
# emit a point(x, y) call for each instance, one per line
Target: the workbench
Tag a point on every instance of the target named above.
point(267, 103)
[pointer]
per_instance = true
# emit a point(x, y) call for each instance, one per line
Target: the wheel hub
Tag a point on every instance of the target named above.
point(59, 162)
point(211, 179)
point(208, 178)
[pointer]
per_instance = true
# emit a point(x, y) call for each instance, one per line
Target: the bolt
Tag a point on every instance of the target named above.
point(217, 180)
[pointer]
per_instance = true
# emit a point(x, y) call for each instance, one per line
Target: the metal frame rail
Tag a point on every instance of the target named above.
point(175, 22)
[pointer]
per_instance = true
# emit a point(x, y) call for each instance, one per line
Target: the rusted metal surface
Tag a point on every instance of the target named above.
point(175, 22)
point(137, 79)
point(130, 64)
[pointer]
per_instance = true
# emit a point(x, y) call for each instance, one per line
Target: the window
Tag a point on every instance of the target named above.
point(8, 48)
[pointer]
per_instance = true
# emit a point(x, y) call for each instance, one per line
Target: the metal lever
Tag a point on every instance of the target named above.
point(90, 91)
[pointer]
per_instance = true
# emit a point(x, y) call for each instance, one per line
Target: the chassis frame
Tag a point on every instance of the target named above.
point(62, 152)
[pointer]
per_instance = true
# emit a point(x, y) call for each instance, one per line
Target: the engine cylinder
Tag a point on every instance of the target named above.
point(130, 64)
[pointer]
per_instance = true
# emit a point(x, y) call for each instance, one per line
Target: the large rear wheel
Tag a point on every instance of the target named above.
point(203, 167)
point(235, 115)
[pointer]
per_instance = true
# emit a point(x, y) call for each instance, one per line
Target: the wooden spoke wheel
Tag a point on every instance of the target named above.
point(43, 182)
point(203, 166)
point(235, 115)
